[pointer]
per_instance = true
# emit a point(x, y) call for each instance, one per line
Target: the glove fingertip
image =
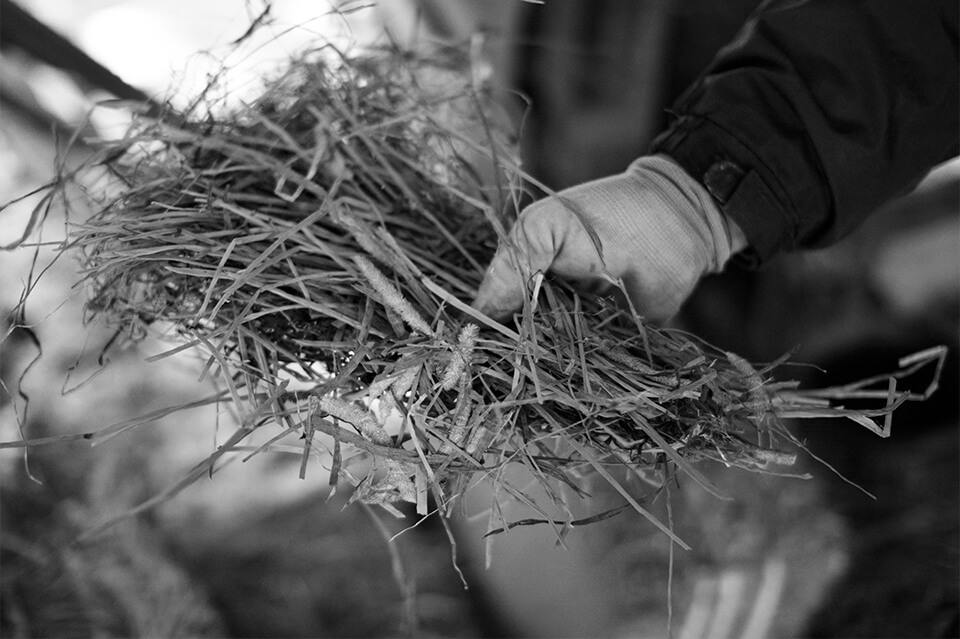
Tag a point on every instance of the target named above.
point(493, 299)
point(501, 291)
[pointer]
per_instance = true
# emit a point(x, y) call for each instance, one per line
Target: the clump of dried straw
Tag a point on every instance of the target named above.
point(344, 219)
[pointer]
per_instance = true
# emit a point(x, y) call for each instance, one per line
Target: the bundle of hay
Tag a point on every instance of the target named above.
point(321, 246)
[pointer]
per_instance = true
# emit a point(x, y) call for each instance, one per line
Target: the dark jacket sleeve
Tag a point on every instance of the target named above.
point(819, 112)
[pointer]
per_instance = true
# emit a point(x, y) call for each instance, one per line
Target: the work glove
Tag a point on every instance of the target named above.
point(653, 227)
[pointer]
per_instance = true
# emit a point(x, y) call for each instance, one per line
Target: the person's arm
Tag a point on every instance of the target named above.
point(819, 112)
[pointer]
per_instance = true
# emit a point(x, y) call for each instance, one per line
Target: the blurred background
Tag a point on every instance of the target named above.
point(256, 552)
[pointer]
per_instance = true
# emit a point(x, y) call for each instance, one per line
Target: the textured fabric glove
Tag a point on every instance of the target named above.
point(656, 227)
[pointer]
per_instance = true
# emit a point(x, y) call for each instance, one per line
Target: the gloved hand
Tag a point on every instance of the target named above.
point(656, 227)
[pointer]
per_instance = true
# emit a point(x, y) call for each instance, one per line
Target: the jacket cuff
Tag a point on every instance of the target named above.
point(733, 176)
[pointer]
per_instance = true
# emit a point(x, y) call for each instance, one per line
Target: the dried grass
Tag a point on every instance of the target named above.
point(345, 218)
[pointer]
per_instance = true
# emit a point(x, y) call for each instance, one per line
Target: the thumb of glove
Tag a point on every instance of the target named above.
point(531, 247)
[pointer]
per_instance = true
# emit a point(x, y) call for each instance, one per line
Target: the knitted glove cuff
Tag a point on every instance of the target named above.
point(694, 205)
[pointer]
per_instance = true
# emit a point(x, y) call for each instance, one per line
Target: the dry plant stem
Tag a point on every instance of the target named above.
point(406, 583)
